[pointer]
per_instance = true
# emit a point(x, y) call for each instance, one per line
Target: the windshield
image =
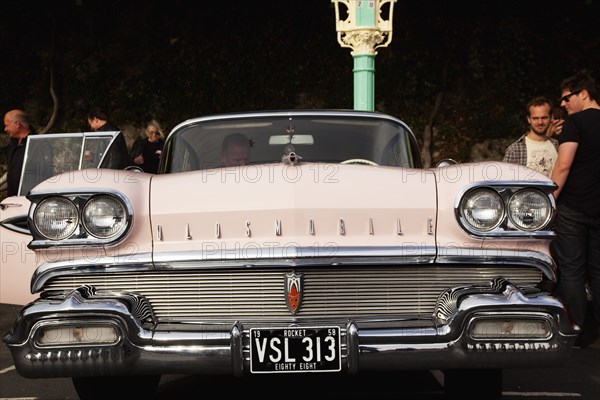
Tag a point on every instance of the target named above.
point(54, 153)
point(315, 138)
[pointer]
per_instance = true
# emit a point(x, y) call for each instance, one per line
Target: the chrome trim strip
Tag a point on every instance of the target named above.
point(4, 206)
point(352, 348)
point(293, 257)
point(86, 265)
point(36, 194)
point(8, 224)
point(527, 257)
point(254, 255)
point(547, 186)
point(237, 350)
point(277, 227)
point(510, 235)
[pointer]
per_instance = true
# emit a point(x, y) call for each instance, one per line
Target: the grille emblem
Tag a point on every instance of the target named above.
point(293, 291)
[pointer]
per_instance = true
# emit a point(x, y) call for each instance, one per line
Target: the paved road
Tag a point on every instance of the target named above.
point(579, 379)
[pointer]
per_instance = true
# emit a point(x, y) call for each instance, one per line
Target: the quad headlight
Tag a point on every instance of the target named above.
point(482, 208)
point(79, 219)
point(529, 209)
point(56, 218)
point(506, 210)
point(104, 216)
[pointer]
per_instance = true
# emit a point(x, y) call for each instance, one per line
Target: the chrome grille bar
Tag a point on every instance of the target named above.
point(259, 293)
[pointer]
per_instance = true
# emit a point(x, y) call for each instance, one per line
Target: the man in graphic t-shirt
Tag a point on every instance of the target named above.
point(534, 149)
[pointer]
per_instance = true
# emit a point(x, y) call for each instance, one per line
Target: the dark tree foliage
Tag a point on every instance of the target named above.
point(179, 59)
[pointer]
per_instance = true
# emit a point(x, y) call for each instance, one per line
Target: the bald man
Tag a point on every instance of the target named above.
point(16, 124)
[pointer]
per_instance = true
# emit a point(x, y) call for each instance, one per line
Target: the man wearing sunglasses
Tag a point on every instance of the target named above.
point(576, 248)
point(535, 149)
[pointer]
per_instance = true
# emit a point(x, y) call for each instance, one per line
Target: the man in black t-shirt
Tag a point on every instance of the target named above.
point(118, 156)
point(576, 248)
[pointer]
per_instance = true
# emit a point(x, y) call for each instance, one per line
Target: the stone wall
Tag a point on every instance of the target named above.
point(490, 150)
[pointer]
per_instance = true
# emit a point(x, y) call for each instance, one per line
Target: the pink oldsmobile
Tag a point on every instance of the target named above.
point(289, 242)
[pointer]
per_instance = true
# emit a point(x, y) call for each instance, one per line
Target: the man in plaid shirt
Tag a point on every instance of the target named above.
point(534, 149)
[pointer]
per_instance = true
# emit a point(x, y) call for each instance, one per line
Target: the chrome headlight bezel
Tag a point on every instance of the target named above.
point(517, 212)
point(482, 208)
point(95, 220)
point(82, 234)
point(56, 218)
point(509, 226)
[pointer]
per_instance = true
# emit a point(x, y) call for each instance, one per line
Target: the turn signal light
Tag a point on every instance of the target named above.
point(76, 334)
point(510, 328)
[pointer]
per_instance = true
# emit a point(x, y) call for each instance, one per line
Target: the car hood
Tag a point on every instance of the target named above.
point(276, 210)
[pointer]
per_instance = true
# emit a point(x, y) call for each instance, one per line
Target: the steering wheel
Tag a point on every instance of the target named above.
point(359, 161)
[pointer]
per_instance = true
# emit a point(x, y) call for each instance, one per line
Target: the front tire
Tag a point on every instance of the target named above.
point(116, 387)
point(473, 384)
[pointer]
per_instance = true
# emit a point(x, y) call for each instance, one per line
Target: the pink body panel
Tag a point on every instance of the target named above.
point(367, 201)
point(17, 262)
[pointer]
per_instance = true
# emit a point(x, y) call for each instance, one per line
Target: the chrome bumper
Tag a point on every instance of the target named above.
point(443, 341)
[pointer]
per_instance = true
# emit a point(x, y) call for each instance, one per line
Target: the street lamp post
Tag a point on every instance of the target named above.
point(364, 30)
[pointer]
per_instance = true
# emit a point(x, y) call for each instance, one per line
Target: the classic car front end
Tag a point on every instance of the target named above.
point(331, 251)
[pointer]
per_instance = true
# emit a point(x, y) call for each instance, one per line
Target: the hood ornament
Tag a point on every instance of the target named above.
point(293, 291)
point(290, 157)
point(289, 151)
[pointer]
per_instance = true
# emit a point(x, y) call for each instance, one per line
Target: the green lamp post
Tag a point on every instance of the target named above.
point(364, 30)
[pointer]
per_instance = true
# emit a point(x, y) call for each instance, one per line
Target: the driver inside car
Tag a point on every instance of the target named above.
point(235, 150)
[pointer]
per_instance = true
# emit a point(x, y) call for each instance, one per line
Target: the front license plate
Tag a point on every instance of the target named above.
point(295, 350)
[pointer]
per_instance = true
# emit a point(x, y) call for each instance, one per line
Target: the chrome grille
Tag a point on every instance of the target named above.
point(259, 293)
